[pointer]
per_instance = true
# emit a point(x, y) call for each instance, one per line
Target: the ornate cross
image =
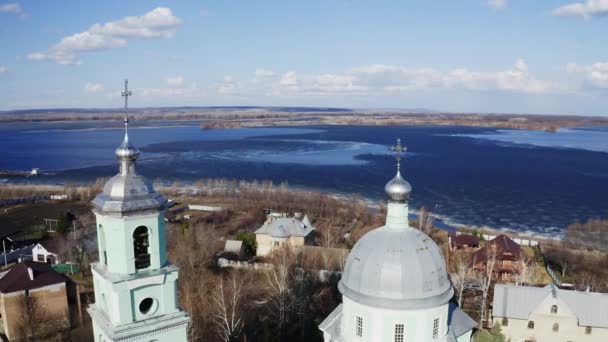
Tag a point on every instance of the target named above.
point(398, 148)
point(126, 95)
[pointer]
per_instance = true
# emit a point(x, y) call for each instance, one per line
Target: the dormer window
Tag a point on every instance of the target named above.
point(554, 309)
point(140, 247)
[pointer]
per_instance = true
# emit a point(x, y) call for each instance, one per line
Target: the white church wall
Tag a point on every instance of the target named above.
point(379, 324)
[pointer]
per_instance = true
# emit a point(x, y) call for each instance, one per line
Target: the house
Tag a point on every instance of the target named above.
point(550, 314)
point(41, 254)
point(33, 297)
point(463, 242)
point(507, 254)
point(280, 229)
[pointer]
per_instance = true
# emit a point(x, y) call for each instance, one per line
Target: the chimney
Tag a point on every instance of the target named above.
point(30, 272)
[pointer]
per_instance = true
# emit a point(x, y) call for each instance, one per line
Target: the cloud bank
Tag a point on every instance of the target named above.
point(587, 10)
point(158, 23)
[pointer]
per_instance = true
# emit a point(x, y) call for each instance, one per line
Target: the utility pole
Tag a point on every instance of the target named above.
point(4, 250)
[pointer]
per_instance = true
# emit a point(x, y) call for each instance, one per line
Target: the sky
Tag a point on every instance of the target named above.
point(496, 56)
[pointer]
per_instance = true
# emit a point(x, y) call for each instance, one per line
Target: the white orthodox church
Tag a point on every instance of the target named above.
point(135, 285)
point(395, 286)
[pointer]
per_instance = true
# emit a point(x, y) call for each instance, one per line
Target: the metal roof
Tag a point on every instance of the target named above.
point(398, 269)
point(282, 227)
point(590, 308)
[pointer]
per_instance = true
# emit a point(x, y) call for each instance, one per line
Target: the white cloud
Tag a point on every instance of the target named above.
point(587, 9)
point(497, 4)
point(228, 86)
point(93, 87)
point(595, 74)
point(158, 23)
point(289, 80)
point(11, 8)
point(176, 81)
point(264, 73)
point(3, 69)
point(384, 79)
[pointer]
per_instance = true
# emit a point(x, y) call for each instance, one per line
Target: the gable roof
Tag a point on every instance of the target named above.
point(465, 239)
point(18, 278)
point(282, 227)
point(503, 244)
point(519, 302)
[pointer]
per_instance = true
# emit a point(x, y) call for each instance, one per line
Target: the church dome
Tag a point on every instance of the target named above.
point(398, 189)
point(394, 268)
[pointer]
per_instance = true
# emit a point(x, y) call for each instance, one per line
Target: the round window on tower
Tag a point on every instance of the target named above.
point(147, 306)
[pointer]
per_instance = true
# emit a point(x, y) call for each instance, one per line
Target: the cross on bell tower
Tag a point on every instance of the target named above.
point(126, 95)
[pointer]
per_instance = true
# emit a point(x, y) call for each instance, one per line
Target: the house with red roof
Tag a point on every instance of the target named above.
point(33, 300)
point(506, 254)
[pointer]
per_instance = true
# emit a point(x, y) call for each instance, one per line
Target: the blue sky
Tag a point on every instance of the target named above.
point(507, 56)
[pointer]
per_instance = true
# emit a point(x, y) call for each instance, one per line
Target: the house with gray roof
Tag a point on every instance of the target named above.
point(280, 229)
point(550, 314)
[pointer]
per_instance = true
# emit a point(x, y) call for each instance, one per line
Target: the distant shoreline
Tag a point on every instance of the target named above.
point(235, 117)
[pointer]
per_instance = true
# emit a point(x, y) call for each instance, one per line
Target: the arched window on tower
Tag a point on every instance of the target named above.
point(103, 255)
point(140, 247)
point(554, 309)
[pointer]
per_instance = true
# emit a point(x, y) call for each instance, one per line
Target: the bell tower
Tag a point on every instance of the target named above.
point(135, 286)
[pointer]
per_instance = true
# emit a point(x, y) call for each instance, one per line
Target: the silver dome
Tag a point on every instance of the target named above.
point(398, 189)
point(396, 269)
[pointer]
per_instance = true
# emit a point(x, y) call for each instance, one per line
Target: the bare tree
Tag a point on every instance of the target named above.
point(484, 278)
point(425, 221)
point(527, 271)
point(461, 275)
point(279, 279)
point(227, 298)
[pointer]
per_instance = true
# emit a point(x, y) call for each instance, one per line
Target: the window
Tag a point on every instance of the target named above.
point(140, 247)
point(102, 244)
point(587, 330)
point(505, 322)
point(276, 243)
point(530, 324)
point(436, 328)
point(40, 258)
point(554, 309)
point(399, 332)
point(555, 327)
point(359, 329)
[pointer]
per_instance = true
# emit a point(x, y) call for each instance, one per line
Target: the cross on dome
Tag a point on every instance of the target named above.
point(398, 148)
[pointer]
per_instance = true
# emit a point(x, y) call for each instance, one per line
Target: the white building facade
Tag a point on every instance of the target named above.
point(550, 314)
point(135, 285)
point(395, 286)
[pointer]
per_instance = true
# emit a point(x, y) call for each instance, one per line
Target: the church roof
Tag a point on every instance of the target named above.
point(400, 269)
point(128, 191)
point(396, 266)
point(520, 301)
point(282, 227)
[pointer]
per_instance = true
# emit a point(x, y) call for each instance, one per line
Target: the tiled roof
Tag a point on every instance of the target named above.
point(464, 239)
point(503, 244)
point(18, 278)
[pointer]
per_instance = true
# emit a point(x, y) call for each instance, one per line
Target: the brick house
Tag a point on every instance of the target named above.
point(33, 300)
